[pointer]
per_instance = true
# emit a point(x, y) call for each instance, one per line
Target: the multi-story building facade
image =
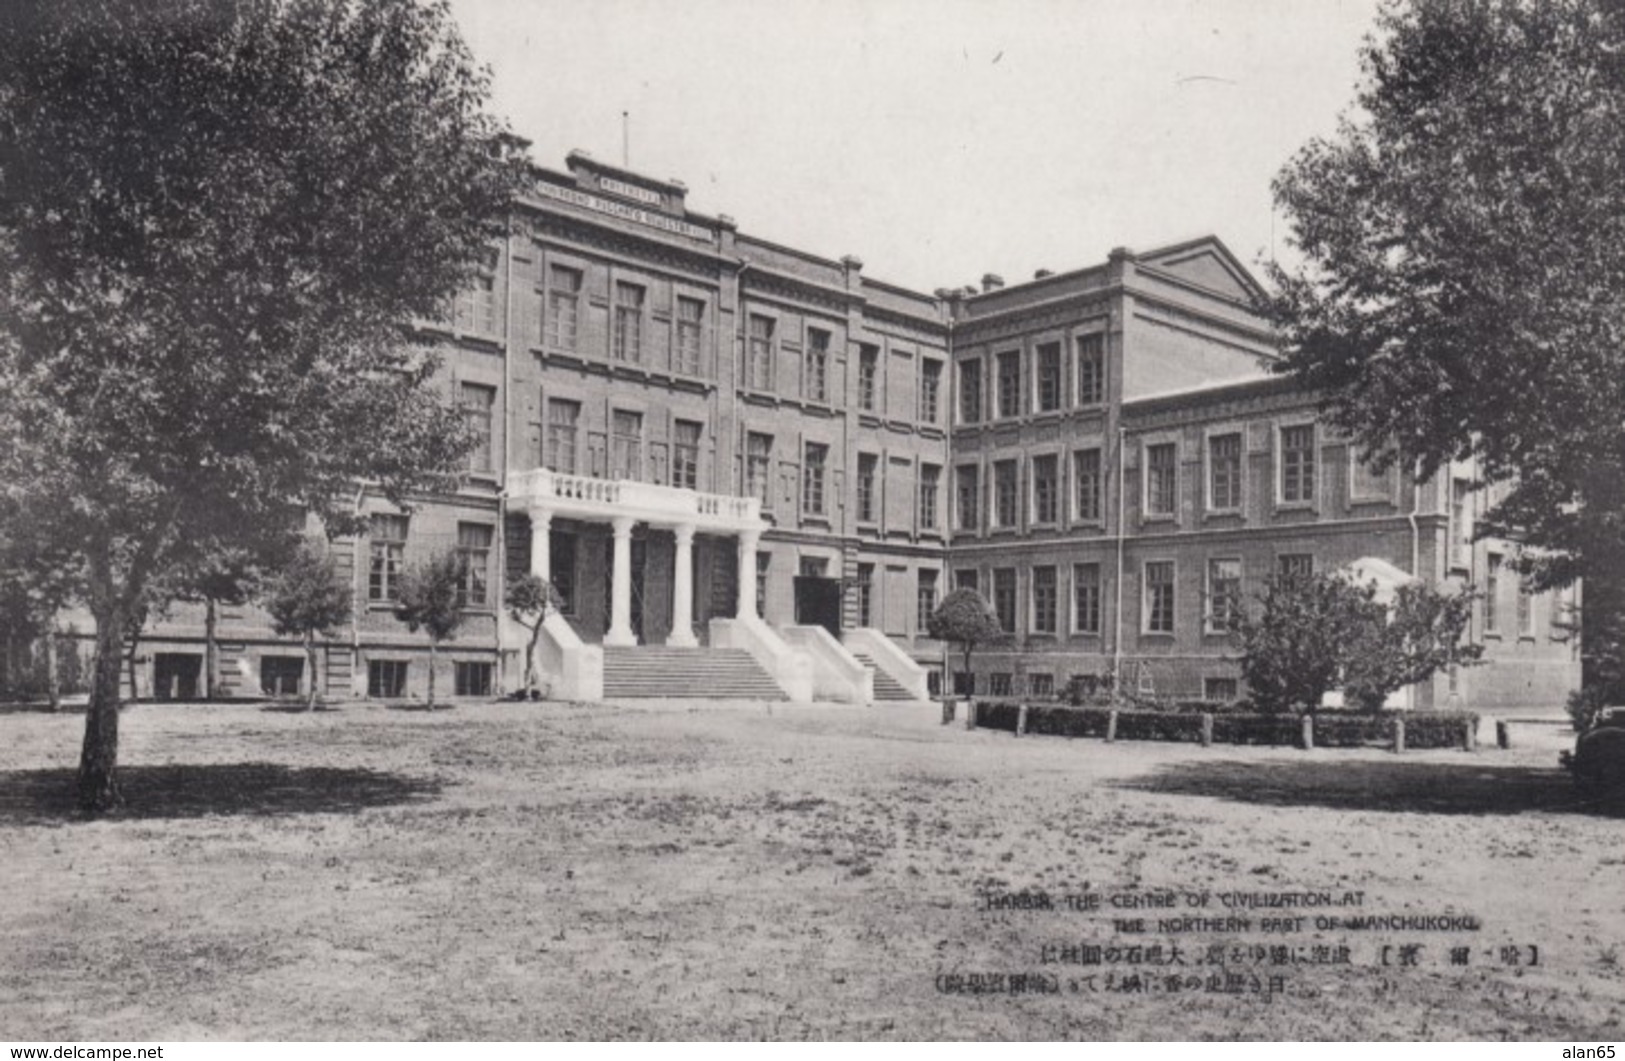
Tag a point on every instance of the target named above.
point(687, 428)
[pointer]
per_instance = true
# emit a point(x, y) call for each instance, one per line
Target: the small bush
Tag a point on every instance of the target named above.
point(1585, 706)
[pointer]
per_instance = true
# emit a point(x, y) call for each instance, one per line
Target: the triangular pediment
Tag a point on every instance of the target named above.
point(1207, 263)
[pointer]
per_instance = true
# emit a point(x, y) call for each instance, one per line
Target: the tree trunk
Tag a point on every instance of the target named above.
point(53, 670)
point(211, 650)
point(310, 659)
point(431, 672)
point(135, 690)
point(532, 681)
point(98, 788)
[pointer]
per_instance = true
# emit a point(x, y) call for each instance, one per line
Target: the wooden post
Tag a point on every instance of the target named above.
point(1021, 720)
point(1399, 735)
point(1111, 726)
point(970, 714)
point(1308, 731)
point(1469, 734)
point(1503, 734)
point(1207, 729)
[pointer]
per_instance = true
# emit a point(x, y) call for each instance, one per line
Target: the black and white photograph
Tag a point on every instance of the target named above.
point(867, 520)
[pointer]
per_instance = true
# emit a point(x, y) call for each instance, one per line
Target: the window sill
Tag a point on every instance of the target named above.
point(1294, 506)
point(1222, 513)
point(1168, 635)
point(1164, 518)
point(1492, 635)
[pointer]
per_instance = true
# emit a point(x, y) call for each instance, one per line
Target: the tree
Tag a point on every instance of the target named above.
point(965, 618)
point(231, 574)
point(1420, 635)
point(217, 219)
point(431, 600)
point(306, 598)
point(1463, 237)
point(38, 578)
point(1313, 633)
point(530, 599)
point(1294, 646)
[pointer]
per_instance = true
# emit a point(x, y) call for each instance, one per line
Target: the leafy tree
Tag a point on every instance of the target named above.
point(1420, 635)
point(1294, 646)
point(38, 578)
point(965, 618)
point(1313, 633)
point(232, 575)
point(431, 600)
point(1463, 237)
point(306, 598)
point(216, 219)
point(530, 599)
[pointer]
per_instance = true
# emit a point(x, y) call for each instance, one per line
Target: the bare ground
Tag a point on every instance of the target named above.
point(539, 871)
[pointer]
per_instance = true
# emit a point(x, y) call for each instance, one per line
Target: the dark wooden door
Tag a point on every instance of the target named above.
point(818, 602)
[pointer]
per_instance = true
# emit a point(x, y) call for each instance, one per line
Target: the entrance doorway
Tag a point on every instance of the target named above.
point(175, 675)
point(818, 603)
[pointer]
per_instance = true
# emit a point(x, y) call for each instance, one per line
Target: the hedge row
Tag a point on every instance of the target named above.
point(1332, 729)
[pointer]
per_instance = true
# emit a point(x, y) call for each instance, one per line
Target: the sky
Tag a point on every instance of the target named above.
point(939, 140)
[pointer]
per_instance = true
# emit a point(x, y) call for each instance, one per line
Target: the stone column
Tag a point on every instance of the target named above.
point(620, 615)
point(541, 557)
point(748, 541)
point(682, 591)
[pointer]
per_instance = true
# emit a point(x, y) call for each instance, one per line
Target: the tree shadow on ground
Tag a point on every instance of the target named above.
point(1368, 785)
point(195, 790)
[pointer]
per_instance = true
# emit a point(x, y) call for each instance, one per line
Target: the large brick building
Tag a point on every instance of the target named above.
point(709, 441)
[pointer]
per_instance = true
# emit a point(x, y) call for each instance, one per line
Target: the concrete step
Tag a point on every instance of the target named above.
point(886, 687)
point(658, 671)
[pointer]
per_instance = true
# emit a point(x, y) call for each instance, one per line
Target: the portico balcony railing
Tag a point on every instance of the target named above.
point(565, 494)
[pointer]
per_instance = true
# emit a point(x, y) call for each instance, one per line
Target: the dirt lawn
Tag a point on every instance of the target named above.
point(538, 871)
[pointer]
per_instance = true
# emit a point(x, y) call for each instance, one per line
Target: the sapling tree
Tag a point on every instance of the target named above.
point(431, 599)
point(966, 619)
point(307, 599)
point(530, 600)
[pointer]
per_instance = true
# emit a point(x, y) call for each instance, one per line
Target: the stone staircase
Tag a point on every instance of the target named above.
point(886, 687)
point(657, 672)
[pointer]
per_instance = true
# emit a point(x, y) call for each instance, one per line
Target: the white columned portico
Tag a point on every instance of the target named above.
point(682, 591)
point(541, 555)
point(748, 541)
point(620, 614)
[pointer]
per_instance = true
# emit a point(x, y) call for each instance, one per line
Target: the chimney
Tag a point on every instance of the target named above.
point(991, 282)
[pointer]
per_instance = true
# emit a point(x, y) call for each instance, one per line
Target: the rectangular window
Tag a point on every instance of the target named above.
point(868, 377)
point(966, 578)
point(474, 549)
point(685, 455)
point(930, 485)
point(386, 678)
point(1159, 597)
point(1091, 369)
point(478, 403)
point(1223, 595)
point(1526, 611)
point(1004, 493)
point(1086, 598)
point(930, 391)
point(281, 675)
point(690, 324)
point(966, 493)
point(999, 684)
point(1367, 485)
point(1090, 485)
point(815, 380)
point(866, 487)
point(563, 307)
point(388, 547)
point(970, 390)
point(1041, 685)
point(1298, 464)
point(760, 355)
point(1004, 598)
point(758, 468)
point(864, 591)
point(1010, 383)
point(1492, 593)
point(1045, 600)
point(1049, 377)
point(812, 479)
point(1221, 689)
point(925, 600)
point(1161, 475)
point(476, 307)
point(472, 679)
point(626, 445)
point(628, 322)
point(1295, 565)
point(1224, 472)
point(1046, 489)
point(562, 418)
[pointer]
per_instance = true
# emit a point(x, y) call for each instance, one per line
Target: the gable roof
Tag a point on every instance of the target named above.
point(1207, 263)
